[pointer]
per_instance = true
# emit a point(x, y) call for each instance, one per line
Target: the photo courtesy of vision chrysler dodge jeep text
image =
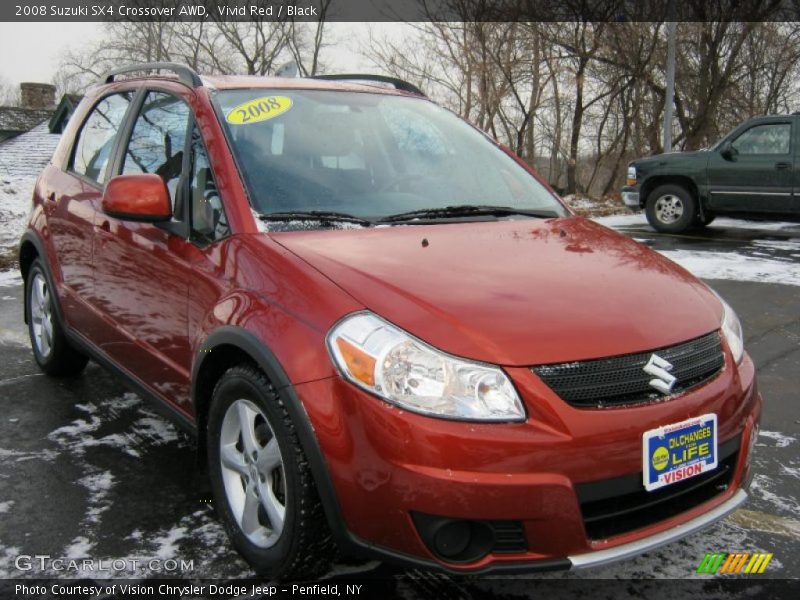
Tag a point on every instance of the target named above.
point(384, 330)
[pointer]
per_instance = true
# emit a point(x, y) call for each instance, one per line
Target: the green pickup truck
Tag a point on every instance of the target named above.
point(749, 173)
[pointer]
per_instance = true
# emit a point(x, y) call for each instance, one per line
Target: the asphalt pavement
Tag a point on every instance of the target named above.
point(87, 469)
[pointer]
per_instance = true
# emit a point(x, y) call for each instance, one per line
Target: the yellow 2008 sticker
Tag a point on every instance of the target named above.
point(260, 109)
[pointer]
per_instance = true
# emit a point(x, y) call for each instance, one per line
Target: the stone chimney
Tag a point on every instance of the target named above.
point(37, 95)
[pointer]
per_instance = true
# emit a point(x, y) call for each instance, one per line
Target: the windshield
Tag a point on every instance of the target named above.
point(366, 155)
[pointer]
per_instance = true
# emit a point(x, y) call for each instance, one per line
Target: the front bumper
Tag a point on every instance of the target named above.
point(386, 465)
point(631, 549)
point(631, 198)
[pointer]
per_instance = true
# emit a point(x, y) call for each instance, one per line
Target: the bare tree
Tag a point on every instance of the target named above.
point(9, 93)
point(305, 41)
point(254, 47)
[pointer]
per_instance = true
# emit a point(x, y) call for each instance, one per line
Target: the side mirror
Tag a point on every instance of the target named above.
point(728, 152)
point(137, 198)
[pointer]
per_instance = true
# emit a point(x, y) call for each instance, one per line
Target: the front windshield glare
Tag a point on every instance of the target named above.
point(368, 155)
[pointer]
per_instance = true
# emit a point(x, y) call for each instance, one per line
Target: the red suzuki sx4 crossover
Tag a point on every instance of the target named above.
point(385, 330)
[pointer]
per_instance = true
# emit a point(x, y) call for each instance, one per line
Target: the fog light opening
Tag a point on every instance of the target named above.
point(455, 540)
point(451, 539)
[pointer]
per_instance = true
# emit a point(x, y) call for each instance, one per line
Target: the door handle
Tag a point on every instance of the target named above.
point(783, 165)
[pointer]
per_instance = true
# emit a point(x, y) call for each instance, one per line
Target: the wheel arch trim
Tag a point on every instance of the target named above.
point(657, 179)
point(32, 238)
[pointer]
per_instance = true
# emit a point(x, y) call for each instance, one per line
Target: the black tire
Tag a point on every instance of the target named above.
point(58, 358)
point(304, 548)
point(670, 208)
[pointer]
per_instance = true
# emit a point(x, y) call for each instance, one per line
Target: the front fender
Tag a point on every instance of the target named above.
point(297, 346)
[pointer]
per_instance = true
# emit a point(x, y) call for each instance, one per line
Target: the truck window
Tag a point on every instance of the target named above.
point(769, 138)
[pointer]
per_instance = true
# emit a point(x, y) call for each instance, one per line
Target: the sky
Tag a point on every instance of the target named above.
point(41, 45)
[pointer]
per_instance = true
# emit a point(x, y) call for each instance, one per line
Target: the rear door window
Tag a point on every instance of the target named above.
point(96, 139)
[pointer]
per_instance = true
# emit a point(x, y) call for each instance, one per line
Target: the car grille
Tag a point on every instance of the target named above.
point(621, 380)
point(615, 506)
point(509, 537)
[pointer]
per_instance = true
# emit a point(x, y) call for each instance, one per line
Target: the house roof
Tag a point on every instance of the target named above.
point(13, 118)
point(63, 112)
point(28, 153)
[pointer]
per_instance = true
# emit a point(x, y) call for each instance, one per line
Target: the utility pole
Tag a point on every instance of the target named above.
point(669, 96)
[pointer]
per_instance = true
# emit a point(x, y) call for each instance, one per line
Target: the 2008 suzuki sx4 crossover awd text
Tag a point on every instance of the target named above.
point(385, 331)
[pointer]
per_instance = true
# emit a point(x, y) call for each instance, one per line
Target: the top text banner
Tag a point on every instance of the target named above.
point(400, 10)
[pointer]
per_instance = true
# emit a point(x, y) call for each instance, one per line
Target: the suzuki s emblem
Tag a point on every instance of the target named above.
point(660, 369)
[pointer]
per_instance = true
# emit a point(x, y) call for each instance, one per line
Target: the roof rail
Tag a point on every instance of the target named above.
point(398, 84)
point(185, 74)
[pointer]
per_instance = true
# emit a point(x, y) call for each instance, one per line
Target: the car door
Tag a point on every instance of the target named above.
point(141, 271)
point(753, 171)
point(73, 197)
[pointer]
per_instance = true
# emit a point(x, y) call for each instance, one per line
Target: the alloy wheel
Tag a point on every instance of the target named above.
point(253, 473)
point(669, 208)
point(40, 311)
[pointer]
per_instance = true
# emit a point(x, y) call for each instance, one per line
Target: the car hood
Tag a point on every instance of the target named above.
point(668, 157)
point(515, 292)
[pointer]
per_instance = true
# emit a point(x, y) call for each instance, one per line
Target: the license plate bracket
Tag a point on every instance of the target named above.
point(679, 451)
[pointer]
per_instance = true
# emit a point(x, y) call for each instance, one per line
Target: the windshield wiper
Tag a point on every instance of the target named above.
point(467, 210)
point(314, 215)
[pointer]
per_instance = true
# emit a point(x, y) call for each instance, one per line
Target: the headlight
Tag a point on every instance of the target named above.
point(382, 359)
point(631, 175)
point(732, 330)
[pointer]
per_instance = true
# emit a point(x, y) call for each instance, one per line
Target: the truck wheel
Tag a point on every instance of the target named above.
point(670, 208)
point(263, 488)
point(51, 349)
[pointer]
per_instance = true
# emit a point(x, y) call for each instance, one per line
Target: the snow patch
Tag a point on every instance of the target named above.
point(155, 430)
point(639, 220)
point(729, 265)
point(277, 226)
point(6, 506)
point(75, 437)
point(791, 471)
point(10, 278)
point(579, 202)
point(148, 430)
point(46, 455)
point(98, 485)
point(7, 556)
point(80, 548)
point(762, 487)
point(625, 220)
point(789, 245)
point(304, 225)
point(15, 204)
point(781, 440)
point(167, 545)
